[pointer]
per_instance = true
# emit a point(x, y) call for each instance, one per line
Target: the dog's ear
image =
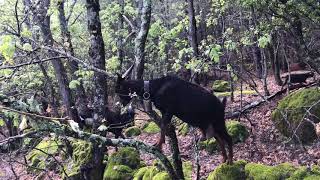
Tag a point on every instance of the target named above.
point(126, 74)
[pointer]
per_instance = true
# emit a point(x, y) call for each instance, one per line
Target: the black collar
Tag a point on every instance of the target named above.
point(146, 90)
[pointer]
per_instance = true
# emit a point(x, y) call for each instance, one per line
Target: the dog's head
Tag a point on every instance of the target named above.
point(123, 87)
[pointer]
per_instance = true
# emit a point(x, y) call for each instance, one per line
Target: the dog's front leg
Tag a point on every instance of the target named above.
point(166, 119)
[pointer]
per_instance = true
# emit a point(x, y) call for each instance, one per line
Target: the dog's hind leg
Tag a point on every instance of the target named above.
point(166, 118)
point(227, 139)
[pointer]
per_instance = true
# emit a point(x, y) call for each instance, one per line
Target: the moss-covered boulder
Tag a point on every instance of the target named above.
point(122, 164)
point(132, 131)
point(261, 172)
point(151, 128)
point(118, 172)
point(43, 155)
point(221, 86)
point(306, 173)
point(183, 129)
point(292, 111)
point(236, 171)
point(236, 130)
point(81, 155)
point(162, 176)
point(187, 170)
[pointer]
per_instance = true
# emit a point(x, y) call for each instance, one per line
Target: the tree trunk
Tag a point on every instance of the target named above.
point(49, 89)
point(120, 44)
point(81, 102)
point(97, 58)
point(193, 40)
point(140, 41)
point(273, 52)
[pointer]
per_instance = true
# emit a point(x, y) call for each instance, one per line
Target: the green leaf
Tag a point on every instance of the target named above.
point(74, 84)
point(7, 48)
point(2, 123)
point(264, 40)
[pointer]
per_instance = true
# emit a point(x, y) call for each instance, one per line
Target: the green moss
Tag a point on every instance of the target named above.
point(245, 92)
point(237, 131)
point(150, 173)
point(126, 156)
point(262, 172)
point(132, 131)
point(306, 173)
point(229, 172)
point(221, 86)
point(41, 157)
point(161, 176)
point(151, 128)
point(183, 129)
point(140, 173)
point(209, 145)
point(187, 170)
point(293, 108)
point(82, 154)
point(118, 172)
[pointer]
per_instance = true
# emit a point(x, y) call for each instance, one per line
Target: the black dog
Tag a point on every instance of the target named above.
point(116, 120)
point(189, 102)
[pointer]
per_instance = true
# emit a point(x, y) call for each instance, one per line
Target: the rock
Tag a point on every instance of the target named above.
point(132, 131)
point(293, 107)
point(125, 156)
point(151, 128)
point(259, 171)
point(236, 130)
point(183, 129)
point(162, 176)
point(42, 157)
point(235, 171)
point(118, 172)
point(221, 86)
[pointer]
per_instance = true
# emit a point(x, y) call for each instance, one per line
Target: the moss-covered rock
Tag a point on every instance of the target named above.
point(291, 110)
point(132, 131)
point(262, 172)
point(118, 172)
point(183, 129)
point(82, 155)
point(306, 173)
point(236, 130)
point(42, 156)
point(187, 170)
point(151, 128)
point(125, 156)
point(221, 86)
point(236, 171)
point(210, 145)
point(162, 176)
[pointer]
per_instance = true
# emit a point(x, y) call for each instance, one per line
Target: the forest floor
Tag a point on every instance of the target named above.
point(265, 144)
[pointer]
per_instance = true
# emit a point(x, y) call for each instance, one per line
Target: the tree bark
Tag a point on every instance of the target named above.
point(120, 52)
point(193, 39)
point(81, 102)
point(140, 41)
point(43, 19)
point(97, 58)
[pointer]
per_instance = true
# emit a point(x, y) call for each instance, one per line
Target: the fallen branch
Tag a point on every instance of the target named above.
point(230, 115)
